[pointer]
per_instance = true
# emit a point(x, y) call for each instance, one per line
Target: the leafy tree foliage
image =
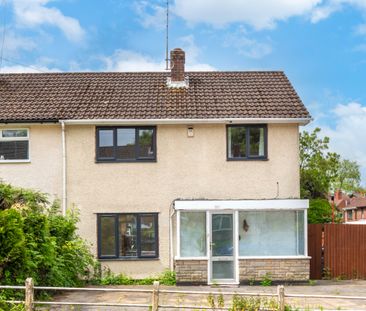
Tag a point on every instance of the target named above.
point(320, 212)
point(318, 166)
point(37, 241)
point(349, 176)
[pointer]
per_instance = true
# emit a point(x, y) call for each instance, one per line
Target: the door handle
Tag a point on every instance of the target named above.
point(212, 244)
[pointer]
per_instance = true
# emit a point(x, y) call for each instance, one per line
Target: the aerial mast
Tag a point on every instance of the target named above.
point(167, 37)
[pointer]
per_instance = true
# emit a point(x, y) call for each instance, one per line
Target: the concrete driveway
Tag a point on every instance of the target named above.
point(336, 288)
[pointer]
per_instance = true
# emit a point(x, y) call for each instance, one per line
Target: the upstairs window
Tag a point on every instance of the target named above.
point(14, 145)
point(247, 142)
point(126, 144)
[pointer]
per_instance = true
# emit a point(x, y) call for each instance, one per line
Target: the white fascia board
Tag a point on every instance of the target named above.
point(301, 121)
point(243, 205)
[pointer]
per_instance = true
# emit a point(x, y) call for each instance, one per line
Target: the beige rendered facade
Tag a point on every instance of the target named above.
point(187, 168)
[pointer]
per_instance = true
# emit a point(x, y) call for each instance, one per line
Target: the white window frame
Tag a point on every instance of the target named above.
point(236, 206)
point(27, 138)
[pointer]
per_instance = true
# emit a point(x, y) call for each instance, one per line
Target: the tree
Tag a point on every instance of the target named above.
point(349, 176)
point(318, 166)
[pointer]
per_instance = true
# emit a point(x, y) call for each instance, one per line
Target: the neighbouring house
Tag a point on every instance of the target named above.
point(353, 207)
point(192, 171)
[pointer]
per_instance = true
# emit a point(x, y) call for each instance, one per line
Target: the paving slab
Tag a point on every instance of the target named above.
point(333, 288)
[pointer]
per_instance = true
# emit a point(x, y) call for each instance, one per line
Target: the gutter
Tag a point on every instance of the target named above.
point(302, 121)
point(64, 180)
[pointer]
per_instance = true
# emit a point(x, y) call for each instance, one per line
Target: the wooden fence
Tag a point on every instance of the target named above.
point(155, 305)
point(337, 250)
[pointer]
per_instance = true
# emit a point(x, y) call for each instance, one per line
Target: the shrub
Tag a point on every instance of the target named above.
point(37, 241)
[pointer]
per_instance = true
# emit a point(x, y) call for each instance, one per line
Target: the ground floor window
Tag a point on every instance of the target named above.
point(126, 235)
point(271, 233)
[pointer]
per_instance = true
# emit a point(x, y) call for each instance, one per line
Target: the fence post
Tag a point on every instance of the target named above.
point(29, 294)
point(281, 297)
point(155, 296)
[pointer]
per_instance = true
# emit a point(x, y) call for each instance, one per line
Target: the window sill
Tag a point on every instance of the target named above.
point(14, 161)
point(247, 159)
point(274, 257)
point(126, 161)
point(129, 259)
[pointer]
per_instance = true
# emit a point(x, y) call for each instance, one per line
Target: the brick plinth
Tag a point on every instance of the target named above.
point(276, 269)
point(191, 271)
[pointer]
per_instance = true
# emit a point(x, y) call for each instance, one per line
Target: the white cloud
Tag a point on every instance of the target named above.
point(14, 43)
point(259, 14)
point(246, 46)
point(27, 69)
point(361, 29)
point(125, 60)
point(150, 14)
point(34, 13)
point(347, 135)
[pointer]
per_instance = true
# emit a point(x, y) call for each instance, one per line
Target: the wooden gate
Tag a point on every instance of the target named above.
point(337, 250)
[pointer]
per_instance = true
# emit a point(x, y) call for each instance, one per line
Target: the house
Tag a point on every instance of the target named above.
point(353, 208)
point(192, 171)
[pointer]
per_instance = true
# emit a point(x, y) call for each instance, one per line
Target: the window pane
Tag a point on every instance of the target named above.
point(222, 270)
point(256, 137)
point(106, 149)
point(237, 142)
point(275, 233)
point(126, 143)
point(14, 133)
point(128, 235)
point(107, 235)
point(148, 242)
point(146, 147)
point(14, 150)
point(192, 234)
point(222, 235)
point(300, 233)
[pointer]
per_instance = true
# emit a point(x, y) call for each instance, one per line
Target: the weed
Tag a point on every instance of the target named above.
point(267, 280)
point(211, 301)
point(312, 282)
point(220, 301)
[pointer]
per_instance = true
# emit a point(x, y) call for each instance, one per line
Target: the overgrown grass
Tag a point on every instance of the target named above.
point(109, 278)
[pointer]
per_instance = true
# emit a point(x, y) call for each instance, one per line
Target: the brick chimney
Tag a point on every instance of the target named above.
point(338, 195)
point(177, 77)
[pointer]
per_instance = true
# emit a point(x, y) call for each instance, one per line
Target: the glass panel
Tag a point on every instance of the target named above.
point(148, 242)
point(14, 150)
point(222, 235)
point(256, 137)
point(192, 234)
point(14, 133)
point(108, 237)
point(146, 147)
point(222, 270)
point(128, 235)
point(300, 233)
point(106, 149)
point(263, 233)
point(126, 143)
point(237, 142)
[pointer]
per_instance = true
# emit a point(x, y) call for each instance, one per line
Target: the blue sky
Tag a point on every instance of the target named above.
point(320, 44)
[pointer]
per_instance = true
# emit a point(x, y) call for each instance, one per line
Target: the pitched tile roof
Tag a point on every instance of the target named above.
point(55, 96)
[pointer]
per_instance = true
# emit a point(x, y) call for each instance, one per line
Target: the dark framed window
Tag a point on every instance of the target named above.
point(246, 142)
point(14, 145)
point(128, 236)
point(126, 144)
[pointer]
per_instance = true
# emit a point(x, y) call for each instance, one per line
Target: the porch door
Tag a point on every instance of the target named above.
point(222, 250)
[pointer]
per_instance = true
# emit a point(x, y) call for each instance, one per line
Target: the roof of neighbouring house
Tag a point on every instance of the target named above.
point(358, 202)
point(210, 95)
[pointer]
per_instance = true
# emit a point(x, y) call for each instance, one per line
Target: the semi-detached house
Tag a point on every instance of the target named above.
point(192, 171)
